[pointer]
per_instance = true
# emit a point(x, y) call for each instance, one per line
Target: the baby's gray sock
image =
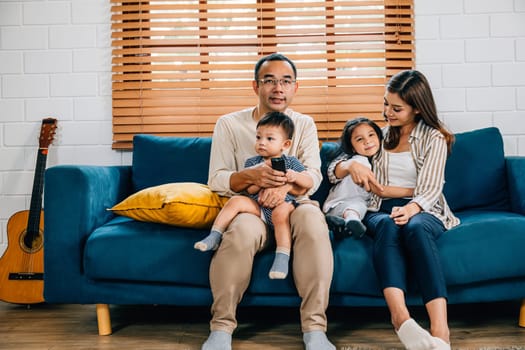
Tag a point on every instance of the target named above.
point(279, 268)
point(317, 340)
point(211, 242)
point(218, 340)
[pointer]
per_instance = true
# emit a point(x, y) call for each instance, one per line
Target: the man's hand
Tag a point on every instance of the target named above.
point(272, 197)
point(265, 177)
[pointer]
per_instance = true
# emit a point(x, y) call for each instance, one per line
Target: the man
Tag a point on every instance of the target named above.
point(231, 266)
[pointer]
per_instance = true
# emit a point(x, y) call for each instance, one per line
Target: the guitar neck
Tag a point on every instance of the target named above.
point(36, 196)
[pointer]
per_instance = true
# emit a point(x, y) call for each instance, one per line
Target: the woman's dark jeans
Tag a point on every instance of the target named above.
point(411, 247)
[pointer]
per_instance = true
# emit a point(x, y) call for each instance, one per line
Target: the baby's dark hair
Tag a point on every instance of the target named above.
point(278, 119)
point(345, 144)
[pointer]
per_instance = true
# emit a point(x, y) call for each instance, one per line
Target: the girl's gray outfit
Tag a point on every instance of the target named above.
point(346, 194)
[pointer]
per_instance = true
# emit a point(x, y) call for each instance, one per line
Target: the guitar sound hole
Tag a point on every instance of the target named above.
point(31, 242)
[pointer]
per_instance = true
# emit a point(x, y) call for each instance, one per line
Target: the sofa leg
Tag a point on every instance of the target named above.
point(521, 322)
point(103, 319)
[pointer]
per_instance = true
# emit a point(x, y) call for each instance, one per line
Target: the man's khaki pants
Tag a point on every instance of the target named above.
point(231, 266)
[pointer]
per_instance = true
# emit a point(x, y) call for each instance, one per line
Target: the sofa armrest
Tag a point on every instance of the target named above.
point(515, 176)
point(76, 199)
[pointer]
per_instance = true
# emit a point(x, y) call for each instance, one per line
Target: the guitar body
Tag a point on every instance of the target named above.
point(21, 266)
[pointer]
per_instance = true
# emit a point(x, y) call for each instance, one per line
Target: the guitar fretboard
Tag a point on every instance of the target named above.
point(33, 222)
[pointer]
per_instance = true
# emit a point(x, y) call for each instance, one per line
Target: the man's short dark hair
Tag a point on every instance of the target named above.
point(274, 57)
point(278, 119)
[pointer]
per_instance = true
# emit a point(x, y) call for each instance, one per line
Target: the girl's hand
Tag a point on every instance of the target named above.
point(362, 176)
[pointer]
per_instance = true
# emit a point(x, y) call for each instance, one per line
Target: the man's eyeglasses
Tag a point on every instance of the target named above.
point(269, 82)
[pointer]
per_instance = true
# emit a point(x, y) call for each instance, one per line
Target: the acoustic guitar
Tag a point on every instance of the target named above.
point(22, 265)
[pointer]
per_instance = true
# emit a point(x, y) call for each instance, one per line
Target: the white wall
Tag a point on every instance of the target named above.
point(473, 52)
point(55, 60)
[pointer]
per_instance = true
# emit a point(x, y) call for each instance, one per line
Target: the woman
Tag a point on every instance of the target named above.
point(405, 230)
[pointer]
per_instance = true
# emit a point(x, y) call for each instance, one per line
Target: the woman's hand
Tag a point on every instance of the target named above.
point(401, 215)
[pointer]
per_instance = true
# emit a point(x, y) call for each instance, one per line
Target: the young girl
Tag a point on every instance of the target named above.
point(273, 136)
point(346, 204)
point(405, 231)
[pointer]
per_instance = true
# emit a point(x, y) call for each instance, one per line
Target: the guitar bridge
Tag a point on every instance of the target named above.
point(26, 276)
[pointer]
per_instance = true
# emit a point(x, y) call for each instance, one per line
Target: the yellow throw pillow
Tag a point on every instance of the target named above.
point(185, 204)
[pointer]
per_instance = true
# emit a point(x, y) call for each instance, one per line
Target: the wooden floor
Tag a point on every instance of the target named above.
point(56, 327)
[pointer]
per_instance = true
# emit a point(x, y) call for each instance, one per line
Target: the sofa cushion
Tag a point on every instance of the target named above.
point(129, 250)
point(184, 204)
point(327, 152)
point(483, 248)
point(355, 267)
point(159, 160)
point(475, 174)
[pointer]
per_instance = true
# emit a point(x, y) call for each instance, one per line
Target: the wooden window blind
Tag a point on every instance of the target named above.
point(179, 65)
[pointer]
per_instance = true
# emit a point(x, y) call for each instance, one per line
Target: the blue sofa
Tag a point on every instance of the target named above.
point(93, 256)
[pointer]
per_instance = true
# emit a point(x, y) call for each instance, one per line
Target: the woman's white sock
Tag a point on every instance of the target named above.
point(414, 337)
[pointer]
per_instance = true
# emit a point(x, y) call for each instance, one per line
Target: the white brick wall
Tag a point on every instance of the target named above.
point(473, 52)
point(55, 60)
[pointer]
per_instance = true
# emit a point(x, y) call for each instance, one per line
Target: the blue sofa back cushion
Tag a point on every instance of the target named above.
point(328, 150)
point(475, 174)
point(159, 160)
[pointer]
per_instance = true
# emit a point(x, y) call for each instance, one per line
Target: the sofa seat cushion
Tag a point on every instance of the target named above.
point(485, 247)
point(482, 249)
point(355, 268)
point(125, 249)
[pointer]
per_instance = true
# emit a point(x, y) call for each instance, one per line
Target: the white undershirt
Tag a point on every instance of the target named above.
point(401, 170)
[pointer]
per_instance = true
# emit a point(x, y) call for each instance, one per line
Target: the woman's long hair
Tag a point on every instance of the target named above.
point(414, 89)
